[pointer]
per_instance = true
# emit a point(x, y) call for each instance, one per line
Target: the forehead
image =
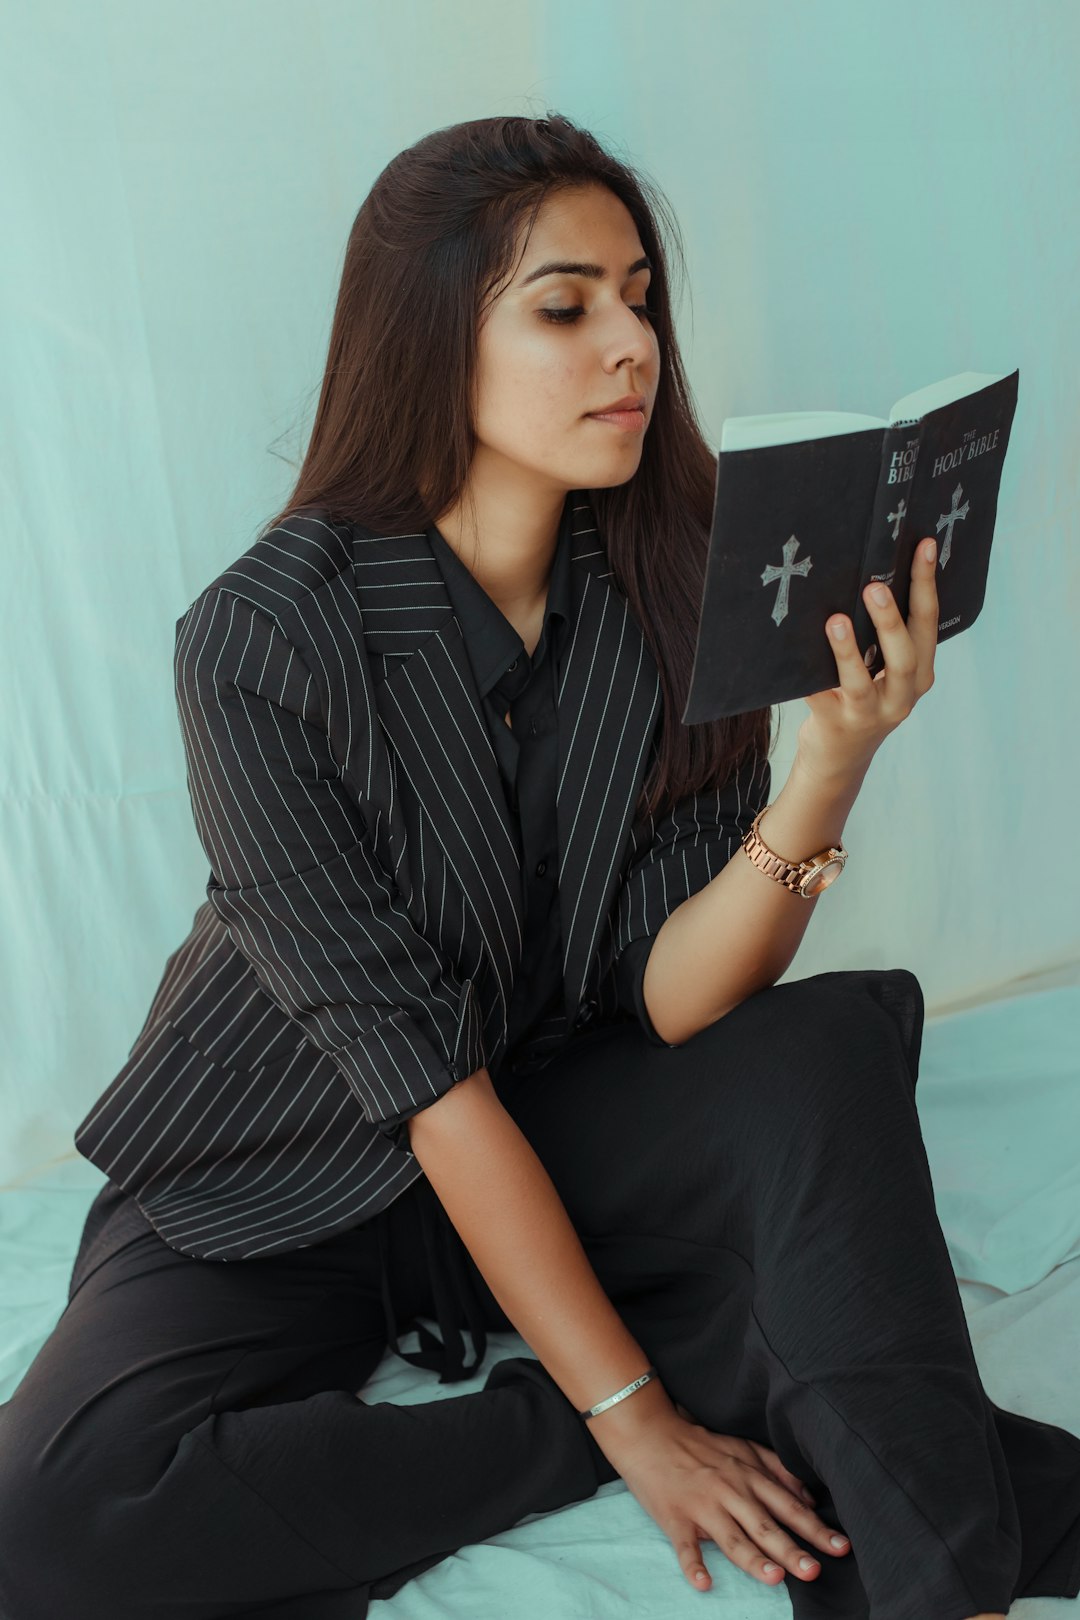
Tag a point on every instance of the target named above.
point(590, 231)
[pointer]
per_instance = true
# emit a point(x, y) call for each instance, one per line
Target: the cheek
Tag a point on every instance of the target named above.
point(528, 358)
point(533, 394)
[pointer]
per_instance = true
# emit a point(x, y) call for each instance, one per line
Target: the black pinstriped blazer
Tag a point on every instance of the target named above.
point(357, 948)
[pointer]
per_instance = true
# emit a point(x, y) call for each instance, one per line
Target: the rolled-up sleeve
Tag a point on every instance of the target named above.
point(294, 876)
point(678, 854)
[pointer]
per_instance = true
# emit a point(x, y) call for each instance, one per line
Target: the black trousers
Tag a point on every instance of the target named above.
point(758, 1205)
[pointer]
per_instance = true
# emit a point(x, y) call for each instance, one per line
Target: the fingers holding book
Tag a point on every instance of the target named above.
point(923, 613)
point(908, 650)
point(847, 723)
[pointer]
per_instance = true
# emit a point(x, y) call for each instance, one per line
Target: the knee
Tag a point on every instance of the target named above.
point(871, 1025)
point(817, 1047)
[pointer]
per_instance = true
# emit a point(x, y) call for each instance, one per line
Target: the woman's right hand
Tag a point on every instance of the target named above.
point(699, 1485)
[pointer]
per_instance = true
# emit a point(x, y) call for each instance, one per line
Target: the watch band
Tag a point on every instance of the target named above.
point(805, 878)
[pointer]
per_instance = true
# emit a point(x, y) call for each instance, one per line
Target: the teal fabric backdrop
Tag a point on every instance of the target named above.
point(870, 198)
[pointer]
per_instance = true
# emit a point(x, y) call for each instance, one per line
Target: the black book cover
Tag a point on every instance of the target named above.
point(800, 528)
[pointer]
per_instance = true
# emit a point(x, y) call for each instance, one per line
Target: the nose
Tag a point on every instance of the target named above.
point(637, 348)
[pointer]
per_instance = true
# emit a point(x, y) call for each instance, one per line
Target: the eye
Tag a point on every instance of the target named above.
point(568, 315)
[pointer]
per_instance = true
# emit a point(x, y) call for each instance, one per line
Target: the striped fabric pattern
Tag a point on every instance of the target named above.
point(356, 951)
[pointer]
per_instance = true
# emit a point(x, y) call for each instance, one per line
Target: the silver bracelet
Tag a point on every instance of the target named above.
point(620, 1395)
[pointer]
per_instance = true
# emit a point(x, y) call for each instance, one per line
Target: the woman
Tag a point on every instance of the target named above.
point(480, 1017)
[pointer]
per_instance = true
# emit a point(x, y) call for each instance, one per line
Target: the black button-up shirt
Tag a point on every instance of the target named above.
point(510, 680)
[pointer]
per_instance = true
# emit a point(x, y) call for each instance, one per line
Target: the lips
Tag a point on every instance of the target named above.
point(626, 421)
point(629, 402)
point(627, 413)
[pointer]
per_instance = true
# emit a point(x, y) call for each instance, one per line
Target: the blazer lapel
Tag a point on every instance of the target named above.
point(432, 714)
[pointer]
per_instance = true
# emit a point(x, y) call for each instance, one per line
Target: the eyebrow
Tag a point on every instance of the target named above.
point(595, 272)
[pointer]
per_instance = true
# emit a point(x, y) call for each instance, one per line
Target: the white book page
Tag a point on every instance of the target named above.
point(793, 427)
point(924, 400)
point(790, 427)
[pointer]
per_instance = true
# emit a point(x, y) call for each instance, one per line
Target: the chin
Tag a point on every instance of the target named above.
point(608, 477)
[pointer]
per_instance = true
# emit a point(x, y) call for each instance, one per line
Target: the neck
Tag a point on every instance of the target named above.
point(506, 534)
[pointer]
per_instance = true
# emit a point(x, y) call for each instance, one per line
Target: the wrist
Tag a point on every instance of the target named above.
point(625, 1422)
point(809, 812)
point(829, 772)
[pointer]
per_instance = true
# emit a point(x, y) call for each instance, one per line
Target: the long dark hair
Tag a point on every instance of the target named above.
point(392, 439)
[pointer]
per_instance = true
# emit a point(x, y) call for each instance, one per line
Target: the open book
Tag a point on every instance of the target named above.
point(810, 506)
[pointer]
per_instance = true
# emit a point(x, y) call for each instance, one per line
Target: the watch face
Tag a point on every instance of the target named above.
point(823, 877)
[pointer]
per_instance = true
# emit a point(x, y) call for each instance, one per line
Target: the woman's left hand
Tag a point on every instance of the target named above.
point(847, 724)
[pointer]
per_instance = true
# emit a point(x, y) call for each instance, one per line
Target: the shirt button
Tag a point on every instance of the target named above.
point(541, 868)
point(514, 665)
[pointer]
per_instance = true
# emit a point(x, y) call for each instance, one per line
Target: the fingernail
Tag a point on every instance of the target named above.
point(930, 550)
point(838, 1541)
point(807, 1563)
point(879, 593)
point(839, 630)
point(770, 1567)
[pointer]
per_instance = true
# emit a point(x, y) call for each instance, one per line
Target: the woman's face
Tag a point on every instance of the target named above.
point(540, 374)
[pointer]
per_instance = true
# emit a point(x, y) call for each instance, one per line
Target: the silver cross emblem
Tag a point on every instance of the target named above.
point(947, 519)
point(897, 517)
point(784, 575)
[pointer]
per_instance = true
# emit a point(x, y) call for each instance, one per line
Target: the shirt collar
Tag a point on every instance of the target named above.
point(490, 639)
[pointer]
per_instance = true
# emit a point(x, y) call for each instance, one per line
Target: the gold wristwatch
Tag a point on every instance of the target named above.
point(806, 878)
